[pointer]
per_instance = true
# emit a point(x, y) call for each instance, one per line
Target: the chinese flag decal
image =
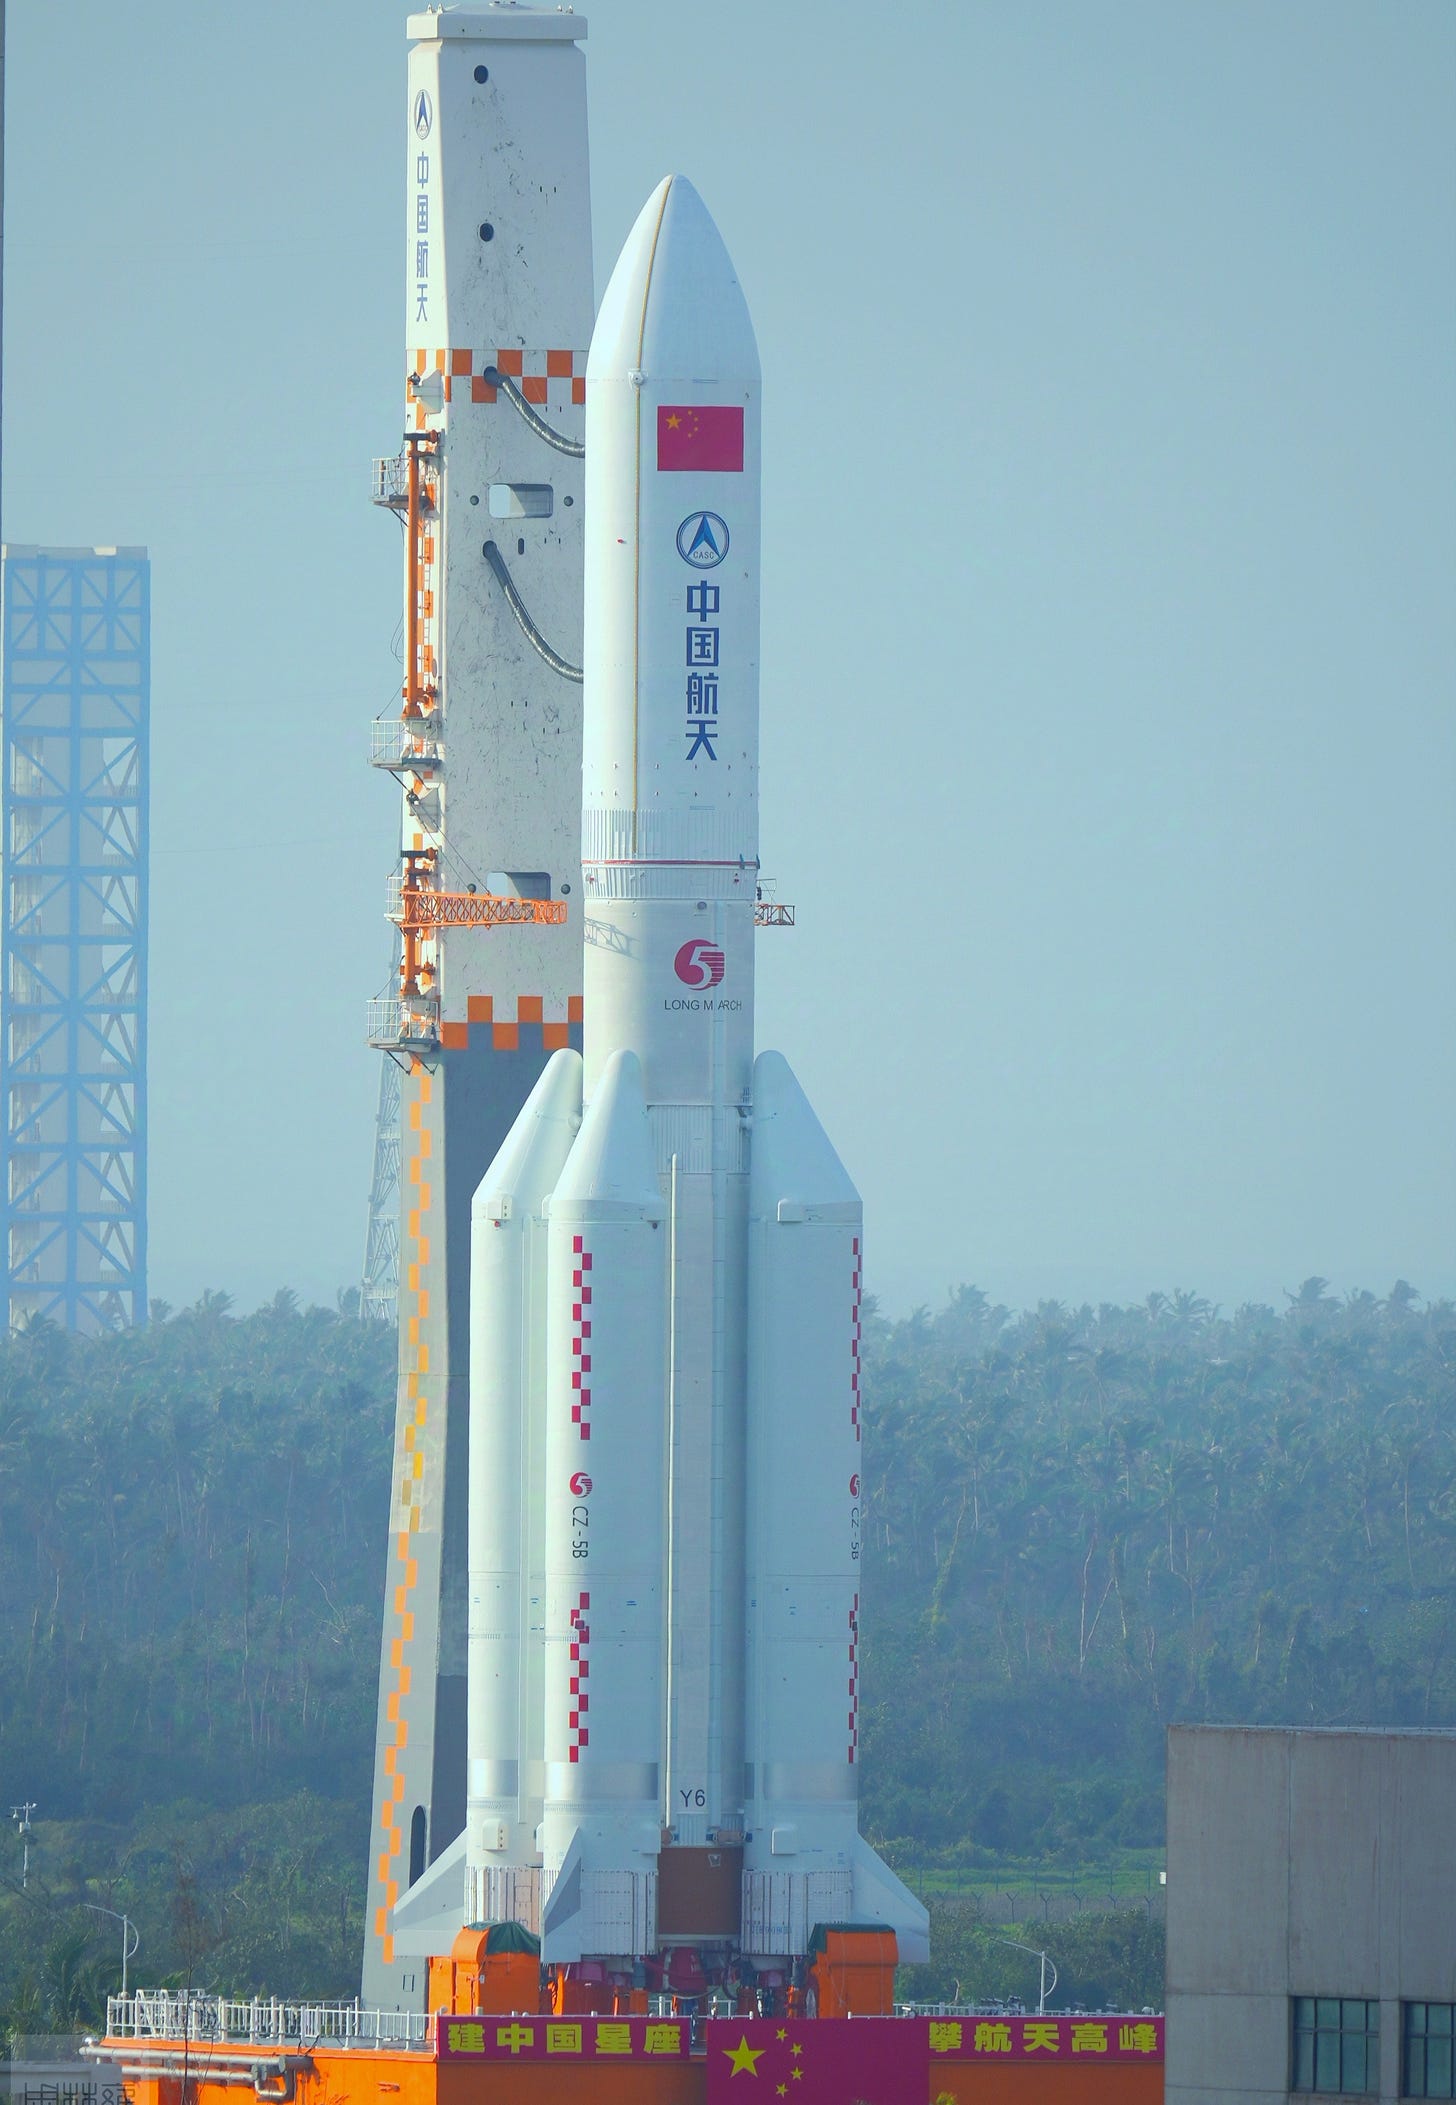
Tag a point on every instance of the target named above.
point(708, 439)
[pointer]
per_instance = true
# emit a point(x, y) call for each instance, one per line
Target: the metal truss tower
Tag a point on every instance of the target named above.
point(75, 636)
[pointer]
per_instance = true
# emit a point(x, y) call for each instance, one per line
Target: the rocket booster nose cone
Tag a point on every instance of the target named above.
point(535, 1141)
point(674, 308)
point(793, 1157)
point(611, 1166)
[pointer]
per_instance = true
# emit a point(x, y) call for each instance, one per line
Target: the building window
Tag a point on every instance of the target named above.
point(1429, 2064)
point(1336, 2044)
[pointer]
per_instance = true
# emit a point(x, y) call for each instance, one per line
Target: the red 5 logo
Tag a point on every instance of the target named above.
point(854, 1487)
point(581, 1484)
point(700, 964)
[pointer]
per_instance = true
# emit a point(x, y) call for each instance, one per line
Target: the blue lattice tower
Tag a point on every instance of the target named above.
point(75, 637)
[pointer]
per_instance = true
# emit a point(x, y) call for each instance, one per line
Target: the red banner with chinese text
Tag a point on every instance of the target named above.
point(891, 2060)
point(1044, 2038)
point(563, 2040)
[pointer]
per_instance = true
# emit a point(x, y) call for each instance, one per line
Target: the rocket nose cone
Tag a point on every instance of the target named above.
point(674, 308)
point(792, 1155)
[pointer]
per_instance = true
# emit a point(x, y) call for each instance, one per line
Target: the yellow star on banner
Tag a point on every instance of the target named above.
point(781, 2033)
point(673, 422)
point(781, 2090)
point(745, 2058)
point(796, 2050)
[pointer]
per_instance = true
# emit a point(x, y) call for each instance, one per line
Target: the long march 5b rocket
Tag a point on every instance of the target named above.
point(666, 1272)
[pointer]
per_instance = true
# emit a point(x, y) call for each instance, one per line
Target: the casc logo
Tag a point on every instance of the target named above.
point(581, 1485)
point(700, 964)
point(424, 114)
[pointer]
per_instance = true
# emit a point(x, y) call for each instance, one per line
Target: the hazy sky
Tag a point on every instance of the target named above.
point(1108, 738)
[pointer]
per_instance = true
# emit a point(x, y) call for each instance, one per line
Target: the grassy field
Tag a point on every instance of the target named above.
point(1010, 1890)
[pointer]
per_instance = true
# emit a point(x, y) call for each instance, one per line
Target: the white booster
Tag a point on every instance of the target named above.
point(687, 1365)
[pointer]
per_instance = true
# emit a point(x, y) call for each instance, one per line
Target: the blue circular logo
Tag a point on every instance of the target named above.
point(424, 114)
point(702, 540)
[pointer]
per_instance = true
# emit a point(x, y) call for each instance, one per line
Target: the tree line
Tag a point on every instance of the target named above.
point(1085, 1525)
point(1081, 1525)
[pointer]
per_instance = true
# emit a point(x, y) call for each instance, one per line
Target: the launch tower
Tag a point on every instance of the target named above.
point(73, 1049)
point(486, 747)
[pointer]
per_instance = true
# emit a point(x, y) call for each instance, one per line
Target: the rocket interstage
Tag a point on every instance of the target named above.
point(665, 1464)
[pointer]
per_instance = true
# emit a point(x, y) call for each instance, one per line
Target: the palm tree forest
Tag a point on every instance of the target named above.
point(1082, 1525)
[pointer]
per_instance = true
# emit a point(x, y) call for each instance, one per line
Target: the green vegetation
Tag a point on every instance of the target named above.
point(192, 1536)
point(1108, 1960)
point(1081, 1525)
point(1085, 1525)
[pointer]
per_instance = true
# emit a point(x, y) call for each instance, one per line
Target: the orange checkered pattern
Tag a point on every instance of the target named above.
point(488, 1021)
point(542, 376)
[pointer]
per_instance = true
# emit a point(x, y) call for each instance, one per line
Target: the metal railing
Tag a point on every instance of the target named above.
point(169, 2017)
point(392, 1022)
point(390, 484)
point(384, 1019)
point(1015, 2007)
point(404, 742)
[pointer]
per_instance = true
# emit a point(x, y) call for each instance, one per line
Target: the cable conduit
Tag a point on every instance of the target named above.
point(494, 377)
point(524, 622)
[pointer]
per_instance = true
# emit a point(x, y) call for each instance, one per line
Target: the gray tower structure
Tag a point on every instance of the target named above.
point(487, 895)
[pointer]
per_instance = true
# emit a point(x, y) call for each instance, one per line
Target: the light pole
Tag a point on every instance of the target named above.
point(20, 1814)
point(1047, 1987)
point(130, 1937)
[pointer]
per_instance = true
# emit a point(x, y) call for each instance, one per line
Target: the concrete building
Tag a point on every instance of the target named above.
point(1311, 1914)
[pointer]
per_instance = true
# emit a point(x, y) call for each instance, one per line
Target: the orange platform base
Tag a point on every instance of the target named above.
point(525, 2059)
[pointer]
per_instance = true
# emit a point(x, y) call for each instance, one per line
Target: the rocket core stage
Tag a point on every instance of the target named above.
point(664, 1510)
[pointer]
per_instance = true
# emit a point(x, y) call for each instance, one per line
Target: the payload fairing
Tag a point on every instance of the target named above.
point(664, 1523)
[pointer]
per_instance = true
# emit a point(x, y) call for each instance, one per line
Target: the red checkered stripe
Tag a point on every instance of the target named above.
point(581, 1339)
point(856, 1308)
point(577, 1735)
point(542, 376)
point(854, 1681)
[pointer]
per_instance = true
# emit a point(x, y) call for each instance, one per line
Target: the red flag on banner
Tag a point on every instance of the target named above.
point(817, 2061)
point(709, 439)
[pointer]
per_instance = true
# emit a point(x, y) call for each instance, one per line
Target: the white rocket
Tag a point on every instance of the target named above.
point(665, 1425)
